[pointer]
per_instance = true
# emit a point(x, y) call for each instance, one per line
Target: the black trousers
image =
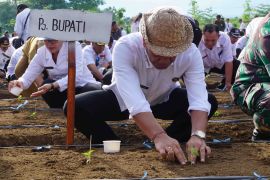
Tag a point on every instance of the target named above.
point(93, 109)
point(236, 64)
point(56, 99)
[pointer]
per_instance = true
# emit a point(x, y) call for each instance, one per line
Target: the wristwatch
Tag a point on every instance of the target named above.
point(199, 134)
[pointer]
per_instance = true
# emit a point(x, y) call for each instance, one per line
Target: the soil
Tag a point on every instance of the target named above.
point(240, 158)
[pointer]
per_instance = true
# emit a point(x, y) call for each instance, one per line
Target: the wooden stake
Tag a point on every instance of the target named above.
point(71, 93)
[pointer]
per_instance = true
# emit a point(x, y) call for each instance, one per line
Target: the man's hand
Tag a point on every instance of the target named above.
point(169, 148)
point(42, 90)
point(196, 147)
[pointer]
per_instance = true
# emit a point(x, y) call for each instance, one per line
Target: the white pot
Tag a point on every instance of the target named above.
point(112, 146)
point(16, 91)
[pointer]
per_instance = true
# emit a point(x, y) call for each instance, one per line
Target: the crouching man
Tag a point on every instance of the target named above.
point(146, 66)
point(251, 90)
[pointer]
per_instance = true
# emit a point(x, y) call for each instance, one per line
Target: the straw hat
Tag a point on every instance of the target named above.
point(166, 32)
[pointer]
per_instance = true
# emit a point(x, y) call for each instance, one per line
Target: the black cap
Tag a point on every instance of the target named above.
point(235, 33)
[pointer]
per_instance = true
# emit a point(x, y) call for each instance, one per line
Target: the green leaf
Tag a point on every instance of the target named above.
point(88, 154)
point(194, 152)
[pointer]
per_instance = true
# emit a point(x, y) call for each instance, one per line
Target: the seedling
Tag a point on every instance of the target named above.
point(20, 99)
point(34, 114)
point(194, 152)
point(217, 114)
point(88, 154)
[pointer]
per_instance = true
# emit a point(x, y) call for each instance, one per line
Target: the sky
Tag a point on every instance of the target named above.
point(227, 8)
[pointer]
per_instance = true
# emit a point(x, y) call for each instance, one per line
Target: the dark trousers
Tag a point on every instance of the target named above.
point(56, 99)
point(236, 64)
point(93, 109)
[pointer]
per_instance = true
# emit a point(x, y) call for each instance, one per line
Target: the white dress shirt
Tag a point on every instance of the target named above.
point(138, 85)
point(13, 61)
point(219, 54)
point(57, 71)
point(19, 24)
point(5, 56)
point(90, 56)
point(228, 27)
point(242, 42)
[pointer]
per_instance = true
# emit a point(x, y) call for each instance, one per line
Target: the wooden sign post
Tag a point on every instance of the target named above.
point(70, 25)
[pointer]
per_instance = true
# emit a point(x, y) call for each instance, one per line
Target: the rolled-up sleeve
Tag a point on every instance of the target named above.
point(127, 80)
point(195, 83)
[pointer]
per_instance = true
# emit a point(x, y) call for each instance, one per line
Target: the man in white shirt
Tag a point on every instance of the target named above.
point(22, 22)
point(216, 51)
point(146, 67)
point(6, 51)
point(98, 59)
point(12, 64)
point(243, 25)
point(228, 25)
point(234, 35)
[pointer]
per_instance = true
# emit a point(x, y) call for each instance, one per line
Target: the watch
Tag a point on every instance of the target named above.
point(199, 134)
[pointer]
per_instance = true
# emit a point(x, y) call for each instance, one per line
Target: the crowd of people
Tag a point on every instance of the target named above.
point(137, 75)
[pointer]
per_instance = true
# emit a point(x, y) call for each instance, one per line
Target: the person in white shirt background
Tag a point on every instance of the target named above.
point(146, 67)
point(98, 59)
point(21, 27)
point(228, 25)
point(135, 23)
point(243, 25)
point(234, 35)
point(216, 51)
point(6, 51)
point(53, 57)
point(250, 30)
point(10, 75)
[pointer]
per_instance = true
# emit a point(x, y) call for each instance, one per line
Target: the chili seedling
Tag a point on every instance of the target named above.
point(88, 154)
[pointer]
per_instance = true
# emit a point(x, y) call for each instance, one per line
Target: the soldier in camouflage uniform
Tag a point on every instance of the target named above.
point(251, 90)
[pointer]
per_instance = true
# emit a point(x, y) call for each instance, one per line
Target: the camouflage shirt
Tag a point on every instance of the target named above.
point(255, 64)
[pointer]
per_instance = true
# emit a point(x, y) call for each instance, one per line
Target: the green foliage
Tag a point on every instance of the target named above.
point(204, 17)
point(7, 13)
point(248, 12)
point(119, 17)
point(85, 4)
point(262, 10)
point(46, 4)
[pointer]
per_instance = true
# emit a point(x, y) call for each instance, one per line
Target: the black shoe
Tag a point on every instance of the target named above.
point(258, 136)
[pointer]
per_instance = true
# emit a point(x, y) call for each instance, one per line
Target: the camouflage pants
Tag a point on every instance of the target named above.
point(256, 102)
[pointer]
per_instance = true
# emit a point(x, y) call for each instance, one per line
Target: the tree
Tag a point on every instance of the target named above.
point(119, 17)
point(85, 4)
point(46, 4)
point(7, 16)
point(262, 10)
point(194, 11)
point(248, 12)
point(204, 17)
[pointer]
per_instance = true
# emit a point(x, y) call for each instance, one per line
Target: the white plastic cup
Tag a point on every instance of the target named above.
point(112, 146)
point(16, 91)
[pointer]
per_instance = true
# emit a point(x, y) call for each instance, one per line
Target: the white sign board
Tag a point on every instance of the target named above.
point(70, 25)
